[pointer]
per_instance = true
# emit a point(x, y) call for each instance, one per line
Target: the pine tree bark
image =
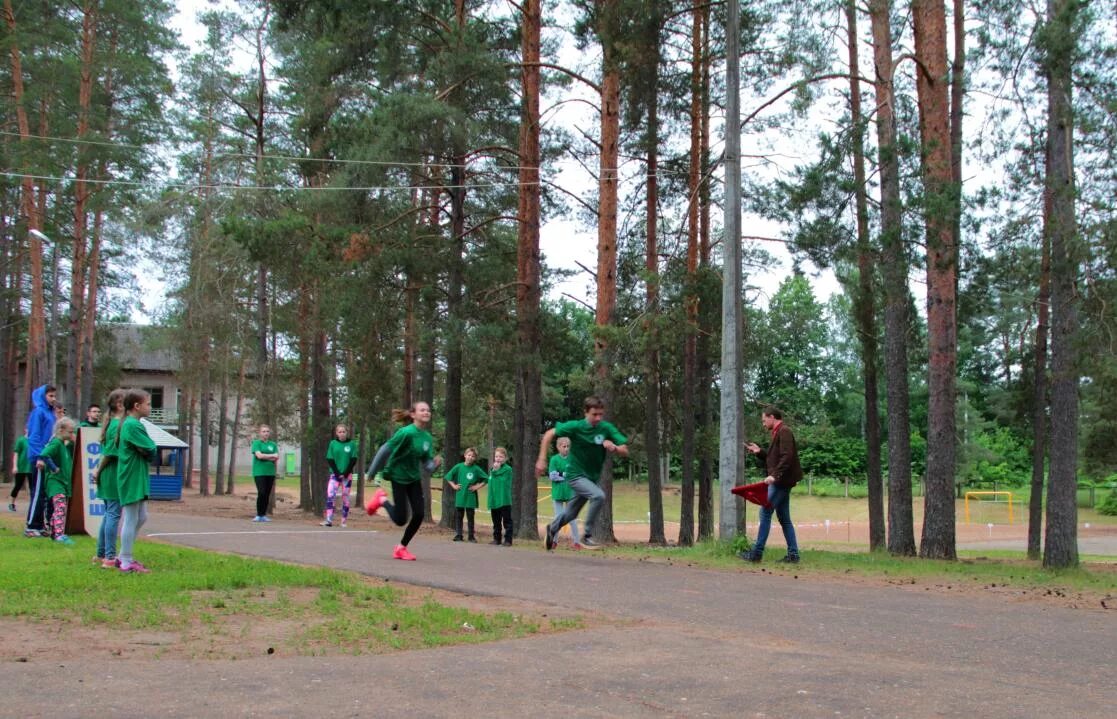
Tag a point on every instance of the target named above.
point(37, 367)
point(1039, 391)
point(451, 443)
point(894, 269)
point(652, 379)
point(528, 417)
point(1060, 547)
point(929, 17)
point(607, 247)
point(865, 304)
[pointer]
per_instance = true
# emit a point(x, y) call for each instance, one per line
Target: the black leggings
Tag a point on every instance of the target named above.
point(263, 493)
point(20, 478)
point(404, 495)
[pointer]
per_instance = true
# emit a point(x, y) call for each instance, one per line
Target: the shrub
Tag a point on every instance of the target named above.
point(1108, 506)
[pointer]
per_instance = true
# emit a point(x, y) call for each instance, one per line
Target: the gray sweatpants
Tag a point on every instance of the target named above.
point(584, 491)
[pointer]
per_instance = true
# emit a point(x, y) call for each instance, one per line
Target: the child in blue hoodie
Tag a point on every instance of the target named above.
point(40, 427)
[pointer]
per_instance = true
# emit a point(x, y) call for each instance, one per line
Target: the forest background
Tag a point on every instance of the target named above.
point(353, 223)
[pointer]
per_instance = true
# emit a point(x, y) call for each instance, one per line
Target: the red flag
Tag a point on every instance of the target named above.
point(757, 493)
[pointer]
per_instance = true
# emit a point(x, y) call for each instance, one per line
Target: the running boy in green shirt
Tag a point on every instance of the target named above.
point(591, 439)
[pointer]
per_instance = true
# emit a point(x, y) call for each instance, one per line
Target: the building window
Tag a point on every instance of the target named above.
point(156, 396)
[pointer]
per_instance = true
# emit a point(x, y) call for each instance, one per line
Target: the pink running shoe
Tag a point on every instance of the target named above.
point(110, 564)
point(378, 498)
point(402, 553)
point(135, 568)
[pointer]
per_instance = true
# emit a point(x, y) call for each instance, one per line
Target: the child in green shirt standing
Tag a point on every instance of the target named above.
point(265, 454)
point(561, 494)
point(21, 469)
point(500, 496)
point(135, 450)
point(104, 476)
point(58, 460)
point(465, 478)
point(342, 457)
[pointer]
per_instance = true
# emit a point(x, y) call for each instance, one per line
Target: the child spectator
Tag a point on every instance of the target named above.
point(341, 456)
point(500, 496)
point(57, 460)
point(104, 476)
point(135, 450)
point(265, 454)
point(21, 469)
point(561, 494)
point(465, 478)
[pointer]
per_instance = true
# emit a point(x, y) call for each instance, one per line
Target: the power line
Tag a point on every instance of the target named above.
point(269, 188)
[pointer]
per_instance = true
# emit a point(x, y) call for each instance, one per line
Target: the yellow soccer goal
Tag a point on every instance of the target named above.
point(996, 497)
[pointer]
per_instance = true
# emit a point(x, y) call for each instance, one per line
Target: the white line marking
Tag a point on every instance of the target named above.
point(264, 531)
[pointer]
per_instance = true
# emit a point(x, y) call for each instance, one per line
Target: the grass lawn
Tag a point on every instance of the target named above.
point(223, 605)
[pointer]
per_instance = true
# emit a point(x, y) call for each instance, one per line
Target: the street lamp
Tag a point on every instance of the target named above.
point(40, 235)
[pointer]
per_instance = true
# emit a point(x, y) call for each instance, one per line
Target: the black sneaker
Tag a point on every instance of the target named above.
point(549, 541)
point(789, 559)
point(589, 543)
point(457, 537)
point(495, 542)
point(11, 506)
point(751, 557)
point(508, 542)
point(473, 539)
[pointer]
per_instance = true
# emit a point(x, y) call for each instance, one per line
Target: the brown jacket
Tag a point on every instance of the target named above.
point(781, 459)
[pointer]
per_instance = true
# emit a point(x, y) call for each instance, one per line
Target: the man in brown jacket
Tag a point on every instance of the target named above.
point(781, 461)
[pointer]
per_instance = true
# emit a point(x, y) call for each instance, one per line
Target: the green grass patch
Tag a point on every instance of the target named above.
point(317, 610)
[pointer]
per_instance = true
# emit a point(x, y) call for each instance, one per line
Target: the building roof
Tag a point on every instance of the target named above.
point(161, 437)
point(143, 348)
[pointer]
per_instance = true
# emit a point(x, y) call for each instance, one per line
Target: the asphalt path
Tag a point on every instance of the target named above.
point(684, 642)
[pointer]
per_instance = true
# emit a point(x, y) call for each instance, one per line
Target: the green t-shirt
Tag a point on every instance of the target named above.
point(587, 455)
point(465, 475)
point(106, 475)
point(410, 447)
point(343, 454)
point(263, 467)
point(560, 489)
point(87, 423)
point(60, 480)
point(500, 487)
point(135, 452)
point(23, 465)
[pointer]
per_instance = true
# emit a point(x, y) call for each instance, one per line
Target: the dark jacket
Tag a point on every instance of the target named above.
point(781, 459)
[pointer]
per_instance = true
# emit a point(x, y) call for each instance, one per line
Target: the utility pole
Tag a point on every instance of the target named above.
point(729, 454)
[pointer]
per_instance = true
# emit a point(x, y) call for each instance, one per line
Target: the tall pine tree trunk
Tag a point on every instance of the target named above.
point(1060, 40)
point(1039, 391)
point(607, 246)
point(865, 305)
point(37, 368)
point(528, 418)
point(235, 433)
point(894, 266)
point(451, 443)
point(651, 352)
point(929, 16)
point(690, 341)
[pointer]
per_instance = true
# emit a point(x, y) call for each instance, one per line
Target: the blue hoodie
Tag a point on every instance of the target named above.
point(40, 424)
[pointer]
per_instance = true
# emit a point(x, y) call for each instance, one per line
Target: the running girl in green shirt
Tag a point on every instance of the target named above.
point(465, 478)
point(403, 458)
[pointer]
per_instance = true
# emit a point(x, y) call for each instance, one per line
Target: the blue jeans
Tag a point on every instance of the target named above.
point(780, 499)
point(584, 491)
point(106, 538)
point(560, 507)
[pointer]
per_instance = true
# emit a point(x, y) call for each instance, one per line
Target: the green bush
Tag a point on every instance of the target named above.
point(1108, 506)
